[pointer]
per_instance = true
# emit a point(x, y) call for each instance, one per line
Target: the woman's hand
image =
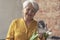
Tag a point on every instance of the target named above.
point(40, 35)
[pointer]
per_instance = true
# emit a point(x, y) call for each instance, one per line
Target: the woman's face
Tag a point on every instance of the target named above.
point(29, 11)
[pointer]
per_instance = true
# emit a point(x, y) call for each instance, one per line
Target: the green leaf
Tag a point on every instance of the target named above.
point(34, 36)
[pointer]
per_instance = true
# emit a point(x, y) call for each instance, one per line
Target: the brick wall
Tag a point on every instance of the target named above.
point(49, 11)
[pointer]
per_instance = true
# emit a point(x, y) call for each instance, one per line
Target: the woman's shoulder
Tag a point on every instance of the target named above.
point(16, 20)
point(34, 20)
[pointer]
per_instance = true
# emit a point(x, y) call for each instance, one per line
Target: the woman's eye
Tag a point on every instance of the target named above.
point(28, 9)
point(32, 10)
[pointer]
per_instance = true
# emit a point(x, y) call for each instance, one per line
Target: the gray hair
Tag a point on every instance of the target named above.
point(34, 3)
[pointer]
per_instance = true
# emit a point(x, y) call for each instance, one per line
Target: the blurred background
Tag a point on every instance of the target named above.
point(9, 10)
point(49, 11)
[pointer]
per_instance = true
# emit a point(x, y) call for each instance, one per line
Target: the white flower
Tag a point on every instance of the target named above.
point(49, 33)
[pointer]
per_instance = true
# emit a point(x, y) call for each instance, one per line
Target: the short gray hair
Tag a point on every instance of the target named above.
point(34, 3)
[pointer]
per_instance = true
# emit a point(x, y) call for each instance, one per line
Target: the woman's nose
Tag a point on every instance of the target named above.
point(30, 12)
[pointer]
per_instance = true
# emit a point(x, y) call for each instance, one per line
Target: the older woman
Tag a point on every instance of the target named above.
point(23, 28)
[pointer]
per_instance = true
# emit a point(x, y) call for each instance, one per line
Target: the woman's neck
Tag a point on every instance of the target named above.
point(28, 20)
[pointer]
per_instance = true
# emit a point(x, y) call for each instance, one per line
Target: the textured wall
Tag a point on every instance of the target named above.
point(49, 11)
